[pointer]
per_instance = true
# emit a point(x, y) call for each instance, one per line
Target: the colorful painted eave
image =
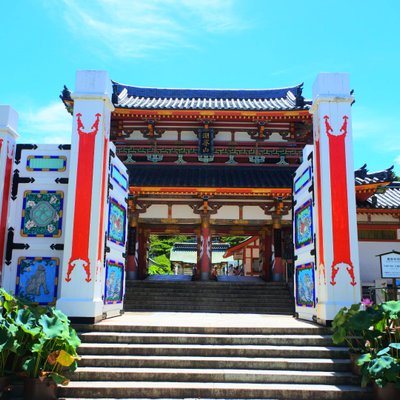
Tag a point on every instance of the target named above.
point(121, 113)
point(364, 192)
point(136, 190)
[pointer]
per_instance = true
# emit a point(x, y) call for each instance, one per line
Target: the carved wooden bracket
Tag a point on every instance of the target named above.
point(276, 207)
point(261, 133)
point(205, 208)
point(151, 132)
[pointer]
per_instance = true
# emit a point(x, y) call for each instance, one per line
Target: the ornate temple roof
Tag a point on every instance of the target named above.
point(363, 177)
point(283, 99)
point(148, 98)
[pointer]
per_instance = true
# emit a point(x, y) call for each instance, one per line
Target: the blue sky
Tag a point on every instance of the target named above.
point(200, 44)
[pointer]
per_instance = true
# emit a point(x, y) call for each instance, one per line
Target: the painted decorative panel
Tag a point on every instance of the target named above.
point(302, 180)
point(305, 285)
point(114, 282)
point(42, 212)
point(119, 178)
point(46, 163)
point(116, 222)
point(303, 225)
point(37, 279)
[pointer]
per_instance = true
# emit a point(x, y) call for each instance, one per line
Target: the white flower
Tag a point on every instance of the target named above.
point(51, 228)
point(30, 203)
point(30, 224)
point(56, 217)
point(53, 199)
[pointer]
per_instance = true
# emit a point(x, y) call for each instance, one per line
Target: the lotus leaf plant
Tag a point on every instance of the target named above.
point(375, 332)
point(36, 340)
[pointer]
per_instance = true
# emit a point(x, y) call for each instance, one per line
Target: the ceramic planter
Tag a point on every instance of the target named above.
point(36, 389)
point(388, 392)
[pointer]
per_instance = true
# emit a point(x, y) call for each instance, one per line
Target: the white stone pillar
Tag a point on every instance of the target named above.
point(82, 270)
point(338, 274)
point(8, 136)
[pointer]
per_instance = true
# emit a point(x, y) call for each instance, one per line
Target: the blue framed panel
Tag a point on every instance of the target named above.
point(303, 222)
point(302, 180)
point(119, 178)
point(305, 285)
point(37, 279)
point(116, 222)
point(113, 290)
point(46, 163)
point(42, 212)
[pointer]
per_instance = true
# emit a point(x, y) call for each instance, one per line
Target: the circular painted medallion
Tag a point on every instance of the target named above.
point(43, 213)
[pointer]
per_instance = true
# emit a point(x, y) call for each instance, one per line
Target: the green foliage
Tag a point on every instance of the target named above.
point(163, 267)
point(233, 240)
point(38, 340)
point(377, 332)
point(162, 245)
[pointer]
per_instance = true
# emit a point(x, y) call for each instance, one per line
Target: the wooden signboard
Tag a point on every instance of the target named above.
point(390, 267)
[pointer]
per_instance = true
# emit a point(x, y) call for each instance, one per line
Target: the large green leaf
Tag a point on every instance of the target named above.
point(363, 359)
point(392, 309)
point(26, 320)
point(378, 365)
point(53, 327)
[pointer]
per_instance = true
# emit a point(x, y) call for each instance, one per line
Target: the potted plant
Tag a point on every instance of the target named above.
point(53, 353)
point(344, 331)
point(44, 348)
point(381, 363)
point(9, 341)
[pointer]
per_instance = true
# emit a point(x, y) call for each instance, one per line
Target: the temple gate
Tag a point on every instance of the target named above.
point(200, 162)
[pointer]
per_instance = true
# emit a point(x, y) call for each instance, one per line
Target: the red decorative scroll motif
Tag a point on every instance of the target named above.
point(320, 243)
point(6, 196)
point(339, 200)
point(83, 198)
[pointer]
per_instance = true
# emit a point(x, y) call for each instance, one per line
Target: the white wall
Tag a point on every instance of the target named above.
point(369, 263)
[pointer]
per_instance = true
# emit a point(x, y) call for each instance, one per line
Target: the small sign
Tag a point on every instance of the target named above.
point(390, 265)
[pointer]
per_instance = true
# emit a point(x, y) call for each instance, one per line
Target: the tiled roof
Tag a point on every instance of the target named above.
point(289, 98)
point(362, 176)
point(389, 198)
point(210, 176)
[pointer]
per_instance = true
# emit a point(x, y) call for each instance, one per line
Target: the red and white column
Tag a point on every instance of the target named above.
point(338, 274)
point(82, 274)
point(8, 136)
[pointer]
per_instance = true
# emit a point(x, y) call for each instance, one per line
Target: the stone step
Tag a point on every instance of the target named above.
point(211, 296)
point(213, 350)
point(173, 308)
point(189, 329)
point(214, 375)
point(194, 306)
point(173, 338)
point(259, 363)
point(219, 390)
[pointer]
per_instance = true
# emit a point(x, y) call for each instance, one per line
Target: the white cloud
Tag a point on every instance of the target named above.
point(134, 28)
point(49, 124)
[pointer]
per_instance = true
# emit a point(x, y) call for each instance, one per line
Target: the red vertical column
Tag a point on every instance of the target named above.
point(205, 247)
point(266, 245)
point(278, 263)
point(132, 248)
point(142, 253)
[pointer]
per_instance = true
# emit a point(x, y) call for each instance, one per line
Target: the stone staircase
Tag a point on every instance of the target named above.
point(223, 297)
point(211, 362)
